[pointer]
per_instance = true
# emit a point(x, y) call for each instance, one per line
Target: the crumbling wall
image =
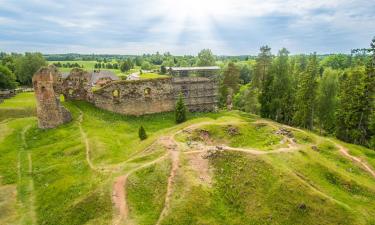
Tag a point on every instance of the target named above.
point(139, 97)
point(50, 112)
point(76, 85)
point(136, 97)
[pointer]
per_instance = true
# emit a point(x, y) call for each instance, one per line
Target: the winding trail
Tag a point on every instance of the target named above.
point(345, 152)
point(29, 204)
point(174, 154)
point(119, 193)
point(85, 141)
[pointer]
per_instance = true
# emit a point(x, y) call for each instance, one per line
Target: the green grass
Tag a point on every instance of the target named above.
point(305, 187)
point(146, 192)
point(21, 105)
point(244, 135)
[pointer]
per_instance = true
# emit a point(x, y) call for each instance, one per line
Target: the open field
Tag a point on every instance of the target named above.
point(90, 65)
point(216, 168)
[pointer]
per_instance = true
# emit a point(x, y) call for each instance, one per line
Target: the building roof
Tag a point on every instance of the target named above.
point(199, 68)
point(97, 75)
point(64, 75)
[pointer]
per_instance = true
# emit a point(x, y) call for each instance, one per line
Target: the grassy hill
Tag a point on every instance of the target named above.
point(216, 168)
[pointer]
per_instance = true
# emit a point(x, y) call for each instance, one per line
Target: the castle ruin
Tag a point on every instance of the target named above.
point(128, 97)
point(50, 112)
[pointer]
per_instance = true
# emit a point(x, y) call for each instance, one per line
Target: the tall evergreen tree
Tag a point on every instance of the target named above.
point(352, 113)
point(281, 89)
point(262, 67)
point(306, 95)
point(180, 110)
point(327, 100)
point(142, 133)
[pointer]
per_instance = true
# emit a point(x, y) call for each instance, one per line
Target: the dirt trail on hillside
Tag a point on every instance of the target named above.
point(29, 205)
point(85, 141)
point(119, 193)
point(344, 151)
point(171, 145)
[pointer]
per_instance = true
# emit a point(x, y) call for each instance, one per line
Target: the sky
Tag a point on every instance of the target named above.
point(184, 27)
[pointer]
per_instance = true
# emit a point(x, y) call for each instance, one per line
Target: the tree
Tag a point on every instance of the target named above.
point(27, 65)
point(247, 99)
point(138, 61)
point(230, 82)
point(142, 133)
point(306, 95)
point(146, 65)
point(125, 66)
point(205, 58)
point(281, 105)
point(180, 110)
point(245, 74)
point(7, 78)
point(263, 64)
point(163, 70)
point(352, 114)
point(327, 100)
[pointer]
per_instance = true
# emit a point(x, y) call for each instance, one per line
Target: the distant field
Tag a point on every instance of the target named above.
point(90, 65)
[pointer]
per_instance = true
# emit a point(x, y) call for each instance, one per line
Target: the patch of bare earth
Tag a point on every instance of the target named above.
point(198, 161)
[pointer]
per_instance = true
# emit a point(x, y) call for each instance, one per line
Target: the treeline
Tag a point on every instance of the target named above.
point(18, 69)
point(333, 94)
point(67, 65)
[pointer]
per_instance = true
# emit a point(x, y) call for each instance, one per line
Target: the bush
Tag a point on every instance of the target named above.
point(180, 111)
point(142, 133)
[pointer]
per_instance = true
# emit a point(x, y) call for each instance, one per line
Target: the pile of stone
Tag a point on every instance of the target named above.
point(232, 130)
point(213, 152)
point(285, 132)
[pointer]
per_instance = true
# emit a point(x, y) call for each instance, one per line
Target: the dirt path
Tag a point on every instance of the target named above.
point(119, 193)
point(28, 205)
point(85, 141)
point(345, 152)
point(171, 144)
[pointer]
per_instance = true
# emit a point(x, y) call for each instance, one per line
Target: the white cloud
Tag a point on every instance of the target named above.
point(185, 26)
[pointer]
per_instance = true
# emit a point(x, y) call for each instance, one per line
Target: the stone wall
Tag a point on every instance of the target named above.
point(49, 110)
point(140, 97)
point(136, 97)
point(76, 85)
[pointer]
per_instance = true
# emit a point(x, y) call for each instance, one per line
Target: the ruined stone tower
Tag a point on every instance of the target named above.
point(50, 112)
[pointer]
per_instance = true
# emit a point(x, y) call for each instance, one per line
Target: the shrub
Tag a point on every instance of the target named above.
point(142, 133)
point(180, 111)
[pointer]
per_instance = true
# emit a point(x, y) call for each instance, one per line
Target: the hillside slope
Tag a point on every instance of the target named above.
point(217, 168)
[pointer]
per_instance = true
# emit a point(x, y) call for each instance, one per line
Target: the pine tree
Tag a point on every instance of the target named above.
point(142, 133)
point(263, 64)
point(180, 110)
point(281, 89)
point(327, 100)
point(306, 95)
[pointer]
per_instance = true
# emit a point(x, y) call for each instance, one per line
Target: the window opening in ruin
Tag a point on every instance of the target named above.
point(43, 89)
point(184, 91)
point(116, 93)
point(147, 91)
